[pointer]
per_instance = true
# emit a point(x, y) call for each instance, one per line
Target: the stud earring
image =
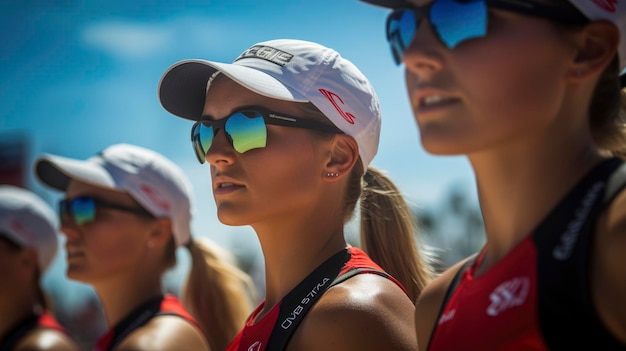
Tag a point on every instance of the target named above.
point(332, 174)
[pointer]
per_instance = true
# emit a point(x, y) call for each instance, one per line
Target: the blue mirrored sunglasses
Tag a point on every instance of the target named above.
point(82, 210)
point(247, 130)
point(455, 21)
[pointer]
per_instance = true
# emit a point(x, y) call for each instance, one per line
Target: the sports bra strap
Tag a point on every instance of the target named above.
point(356, 271)
point(15, 334)
point(297, 303)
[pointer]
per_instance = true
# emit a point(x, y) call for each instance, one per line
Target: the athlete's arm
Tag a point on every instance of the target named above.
point(165, 333)
point(608, 277)
point(366, 312)
point(429, 303)
point(43, 339)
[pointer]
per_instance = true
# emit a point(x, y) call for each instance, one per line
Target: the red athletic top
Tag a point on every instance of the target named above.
point(162, 305)
point(47, 320)
point(537, 297)
point(256, 337)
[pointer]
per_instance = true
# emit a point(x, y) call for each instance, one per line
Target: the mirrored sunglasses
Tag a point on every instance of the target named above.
point(455, 21)
point(247, 130)
point(82, 210)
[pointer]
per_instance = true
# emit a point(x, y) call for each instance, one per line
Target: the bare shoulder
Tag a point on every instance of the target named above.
point(43, 339)
point(366, 312)
point(165, 333)
point(609, 266)
point(429, 303)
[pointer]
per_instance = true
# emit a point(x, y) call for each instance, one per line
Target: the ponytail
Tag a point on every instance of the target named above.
point(389, 234)
point(217, 293)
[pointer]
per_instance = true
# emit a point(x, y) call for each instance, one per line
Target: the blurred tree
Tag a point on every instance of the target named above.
point(455, 230)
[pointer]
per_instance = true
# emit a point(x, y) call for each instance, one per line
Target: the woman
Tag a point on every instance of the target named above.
point(125, 212)
point(28, 244)
point(530, 92)
point(289, 130)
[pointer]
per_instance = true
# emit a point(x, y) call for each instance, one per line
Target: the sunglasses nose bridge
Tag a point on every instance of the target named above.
point(423, 55)
point(221, 146)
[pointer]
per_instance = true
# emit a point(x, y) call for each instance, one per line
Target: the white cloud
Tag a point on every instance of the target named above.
point(127, 40)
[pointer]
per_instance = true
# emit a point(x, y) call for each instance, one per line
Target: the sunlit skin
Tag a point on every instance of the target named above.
point(519, 111)
point(283, 192)
point(121, 255)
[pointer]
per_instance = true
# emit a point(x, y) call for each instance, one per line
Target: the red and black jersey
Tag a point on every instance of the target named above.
point(158, 306)
point(275, 329)
point(538, 296)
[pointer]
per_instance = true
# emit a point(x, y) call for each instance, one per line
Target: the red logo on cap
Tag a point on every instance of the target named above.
point(609, 5)
point(333, 98)
point(23, 231)
point(154, 196)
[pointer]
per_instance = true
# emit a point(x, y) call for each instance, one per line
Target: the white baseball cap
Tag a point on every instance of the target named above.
point(289, 70)
point(155, 182)
point(29, 222)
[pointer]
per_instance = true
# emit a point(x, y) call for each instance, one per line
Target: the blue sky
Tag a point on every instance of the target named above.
point(79, 76)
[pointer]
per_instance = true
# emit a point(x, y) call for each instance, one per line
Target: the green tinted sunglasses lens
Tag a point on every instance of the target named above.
point(246, 132)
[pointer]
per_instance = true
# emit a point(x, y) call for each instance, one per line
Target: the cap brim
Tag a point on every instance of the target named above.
point(391, 4)
point(57, 172)
point(182, 89)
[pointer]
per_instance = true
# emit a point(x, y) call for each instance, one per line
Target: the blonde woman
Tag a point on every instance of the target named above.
point(28, 244)
point(529, 91)
point(125, 212)
point(289, 130)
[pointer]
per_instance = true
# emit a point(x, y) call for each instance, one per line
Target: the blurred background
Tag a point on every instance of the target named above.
point(78, 76)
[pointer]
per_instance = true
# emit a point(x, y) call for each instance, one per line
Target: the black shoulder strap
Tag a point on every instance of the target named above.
point(15, 334)
point(456, 280)
point(137, 318)
point(299, 301)
point(356, 271)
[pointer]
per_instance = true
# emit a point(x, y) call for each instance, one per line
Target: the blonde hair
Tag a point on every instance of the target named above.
point(389, 233)
point(608, 112)
point(217, 293)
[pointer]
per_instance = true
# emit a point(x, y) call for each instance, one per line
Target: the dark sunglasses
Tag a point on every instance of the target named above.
point(247, 130)
point(455, 21)
point(83, 209)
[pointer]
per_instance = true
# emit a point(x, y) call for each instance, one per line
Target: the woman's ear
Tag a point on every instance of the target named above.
point(28, 259)
point(344, 155)
point(598, 43)
point(160, 232)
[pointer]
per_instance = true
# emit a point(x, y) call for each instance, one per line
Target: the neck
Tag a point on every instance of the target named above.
point(120, 298)
point(293, 250)
point(15, 308)
point(517, 190)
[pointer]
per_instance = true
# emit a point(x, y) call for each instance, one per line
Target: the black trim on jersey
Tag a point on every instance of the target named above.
point(20, 330)
point(298, 301)
point(356, 271)
point(564, 243)
point(135, 319)
point(451, 288)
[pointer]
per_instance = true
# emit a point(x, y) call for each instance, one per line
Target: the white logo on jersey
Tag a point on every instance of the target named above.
point(507, 295)
point(447, 316)
point(255, 347)
point(570, 236)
